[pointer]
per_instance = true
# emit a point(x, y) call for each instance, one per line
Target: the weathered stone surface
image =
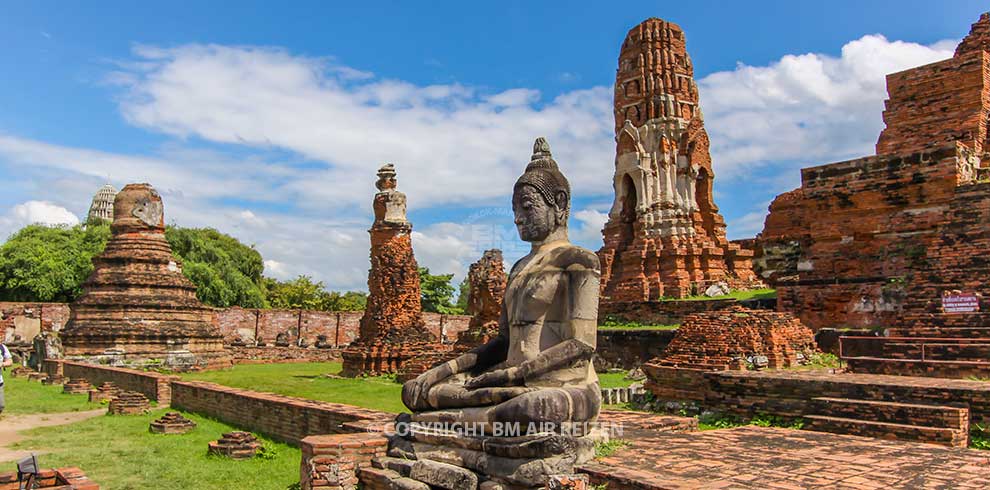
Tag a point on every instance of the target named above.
point(137, 308)
point(664, 236)
point(392, 330)
point(443, 475)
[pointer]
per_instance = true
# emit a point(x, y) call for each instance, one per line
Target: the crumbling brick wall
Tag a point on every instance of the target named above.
point(876, 241)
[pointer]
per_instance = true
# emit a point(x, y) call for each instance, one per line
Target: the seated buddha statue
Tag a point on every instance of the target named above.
point(538, 369)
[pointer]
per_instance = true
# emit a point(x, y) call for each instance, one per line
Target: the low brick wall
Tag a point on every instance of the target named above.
point(259, 355)
point(659, 312)
point(789, 394)
point(285, 418)
point(153, 385)
point(629, 349)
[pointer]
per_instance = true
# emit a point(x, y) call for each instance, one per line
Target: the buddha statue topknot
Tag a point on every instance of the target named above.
point(537, 372)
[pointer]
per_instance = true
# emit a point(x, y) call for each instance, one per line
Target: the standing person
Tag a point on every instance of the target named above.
point(5, 360)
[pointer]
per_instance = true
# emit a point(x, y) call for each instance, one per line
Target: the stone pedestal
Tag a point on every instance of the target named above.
point(106, 391)
point(172, 423)
point(137, 308)
point(129, 403)
point(77, 386)
point(421, 457)
point(236, 445)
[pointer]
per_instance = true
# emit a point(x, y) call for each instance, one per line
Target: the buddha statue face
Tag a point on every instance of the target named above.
point(535, 218)
point(541, 197)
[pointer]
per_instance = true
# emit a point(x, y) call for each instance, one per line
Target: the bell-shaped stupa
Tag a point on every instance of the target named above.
point(137, 308)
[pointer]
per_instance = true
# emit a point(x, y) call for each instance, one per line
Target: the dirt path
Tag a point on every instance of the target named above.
point(11, 425)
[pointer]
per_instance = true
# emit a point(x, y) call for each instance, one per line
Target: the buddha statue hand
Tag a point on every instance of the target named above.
point(499, 377)
point(415, 392)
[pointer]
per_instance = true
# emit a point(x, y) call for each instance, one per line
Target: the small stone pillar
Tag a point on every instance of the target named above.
point(129, 403)
point(105, 392)
point(236, 445)
point(76, 386)
point(172, 423)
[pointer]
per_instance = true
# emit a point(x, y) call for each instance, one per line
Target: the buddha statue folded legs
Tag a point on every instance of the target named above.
point(539, 367)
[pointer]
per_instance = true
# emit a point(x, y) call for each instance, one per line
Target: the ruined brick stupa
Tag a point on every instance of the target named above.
point(392, 329)
point(879, 240)
point(486, 290)
point(664, 236)
point(137, 308)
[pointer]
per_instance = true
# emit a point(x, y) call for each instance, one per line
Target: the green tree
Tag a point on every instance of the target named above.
point(348, 301)
point(226, 272)
point(462, 295)
point(49, 263)
point(299, 293)
point(437, 292)
point(302, 292)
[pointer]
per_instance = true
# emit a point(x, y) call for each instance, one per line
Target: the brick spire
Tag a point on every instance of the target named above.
point(978, 38)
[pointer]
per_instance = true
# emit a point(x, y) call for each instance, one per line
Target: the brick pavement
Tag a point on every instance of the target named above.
point(772, 458)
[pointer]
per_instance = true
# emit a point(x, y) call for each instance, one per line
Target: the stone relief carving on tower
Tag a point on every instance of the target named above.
point(664, 236)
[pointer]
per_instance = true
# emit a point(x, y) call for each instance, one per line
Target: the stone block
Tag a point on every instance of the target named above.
point(446, 476)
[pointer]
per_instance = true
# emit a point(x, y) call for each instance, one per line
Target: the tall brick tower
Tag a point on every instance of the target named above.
point(664, 236)
point(392, 330)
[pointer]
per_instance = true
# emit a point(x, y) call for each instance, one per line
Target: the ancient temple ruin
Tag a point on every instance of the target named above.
point(102, 206)
point(137, 308)
point(486, 289)
point(392, 330)
point(664, 236)
point(897, 241)
point(486, 280)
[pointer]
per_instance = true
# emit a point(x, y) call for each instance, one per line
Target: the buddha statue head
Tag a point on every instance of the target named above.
point(138, 207)
point(541, 198)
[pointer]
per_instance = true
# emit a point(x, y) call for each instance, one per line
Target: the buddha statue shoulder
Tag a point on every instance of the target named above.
point(538, 369)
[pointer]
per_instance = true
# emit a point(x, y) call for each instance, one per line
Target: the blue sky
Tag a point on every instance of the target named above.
point(268, 121)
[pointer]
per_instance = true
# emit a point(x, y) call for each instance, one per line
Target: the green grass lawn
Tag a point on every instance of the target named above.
point(24, 397)
point(739, 295)
point(119, 453)
point(614, 380)
point(308, 380)
point(612, 326)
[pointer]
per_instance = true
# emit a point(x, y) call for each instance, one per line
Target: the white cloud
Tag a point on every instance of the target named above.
point(35, 212)
point(811, 108)
point(592, 221)
point(276, 269)
point(310, 134)
point(450, 143)
point(747, 225)
point(43, 212)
